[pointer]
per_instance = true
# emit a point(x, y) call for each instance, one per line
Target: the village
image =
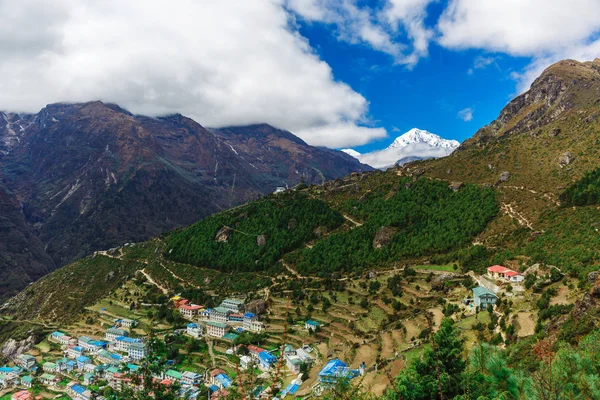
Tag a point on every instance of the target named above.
point(86, 365)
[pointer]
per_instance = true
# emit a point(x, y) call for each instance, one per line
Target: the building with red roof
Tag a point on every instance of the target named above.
point(506, 274)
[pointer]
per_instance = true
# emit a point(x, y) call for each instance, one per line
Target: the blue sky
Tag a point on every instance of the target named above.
point(336, 73)
point(427, 96)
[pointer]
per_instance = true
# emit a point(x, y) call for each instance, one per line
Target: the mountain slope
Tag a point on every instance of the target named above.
point(93, 176)
point(416, 144)
point(387, 213)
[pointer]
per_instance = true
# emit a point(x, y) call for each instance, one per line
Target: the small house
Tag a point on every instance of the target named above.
point(194, 330)
point(25, 361)
point(484, 297)
point(27, 381)
point(190, 378)
point(49, 379)
point(22, 395)
point(311, 325)
point(266, 360)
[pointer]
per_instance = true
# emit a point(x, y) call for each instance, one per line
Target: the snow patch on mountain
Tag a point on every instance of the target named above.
point(416, 144)
point(352, 153)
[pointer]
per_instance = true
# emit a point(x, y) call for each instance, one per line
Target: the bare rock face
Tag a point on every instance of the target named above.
point(257, 307)
point(13, 348)
point(223, 234)
point(566, 159)
point(384, 237)
point(261, 240)
point(593, 276)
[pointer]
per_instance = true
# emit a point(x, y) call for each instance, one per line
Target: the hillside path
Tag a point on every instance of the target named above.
point(152, 281)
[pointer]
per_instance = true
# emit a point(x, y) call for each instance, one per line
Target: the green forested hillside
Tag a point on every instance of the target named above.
point(285, 222)
point(585, 191)
point(425, 217)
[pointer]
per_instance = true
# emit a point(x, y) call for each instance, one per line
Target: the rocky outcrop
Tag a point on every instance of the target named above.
point(504, 176)
point(256, 307)
point(565, 159)
point(223, 234)
point(550, 96)
point(261, 240)
point(13, 348)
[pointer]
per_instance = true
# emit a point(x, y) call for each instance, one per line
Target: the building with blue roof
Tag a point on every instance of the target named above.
point(194, 330)
point(74, 352)
point(266, 360)
point(223, 381)
point(334, 371)
point(291, 389)
point(311, 325)
point(82, 360)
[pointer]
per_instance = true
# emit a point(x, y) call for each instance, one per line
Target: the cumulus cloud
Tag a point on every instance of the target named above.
point(221, 62)
point(397, 29)
point(545, 30)
point(518, 27)
point(466, 114)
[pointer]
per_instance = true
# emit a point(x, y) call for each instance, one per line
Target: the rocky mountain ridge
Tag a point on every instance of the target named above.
point(92, 176)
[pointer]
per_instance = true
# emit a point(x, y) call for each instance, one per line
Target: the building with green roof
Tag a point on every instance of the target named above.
point(483, 297)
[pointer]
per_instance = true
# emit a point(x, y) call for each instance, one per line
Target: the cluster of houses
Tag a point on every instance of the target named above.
point(225, 321)
point(483, 297)
point(113, 358)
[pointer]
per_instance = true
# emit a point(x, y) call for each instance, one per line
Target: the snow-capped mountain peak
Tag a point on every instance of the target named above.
point(351, 152)
point(416, 135)
point(416, 144)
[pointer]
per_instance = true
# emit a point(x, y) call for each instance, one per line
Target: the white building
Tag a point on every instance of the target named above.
point(216, 329)
point(194, 330)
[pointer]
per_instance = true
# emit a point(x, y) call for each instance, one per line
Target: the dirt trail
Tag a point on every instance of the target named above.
point(356, 223)
point(520, 218)
point(179, 278)
point(211, 353)
point(152, 281)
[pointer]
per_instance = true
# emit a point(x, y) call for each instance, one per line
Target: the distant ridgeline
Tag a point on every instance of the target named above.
point(253, 237)
point(401, 220)
point(584, 192)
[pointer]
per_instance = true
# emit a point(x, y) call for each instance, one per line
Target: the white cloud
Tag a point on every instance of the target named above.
point(518, 27)
point(341, 134)
point(545, 30)
point(397, 29)
point(466, 114)
point(220, 62)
